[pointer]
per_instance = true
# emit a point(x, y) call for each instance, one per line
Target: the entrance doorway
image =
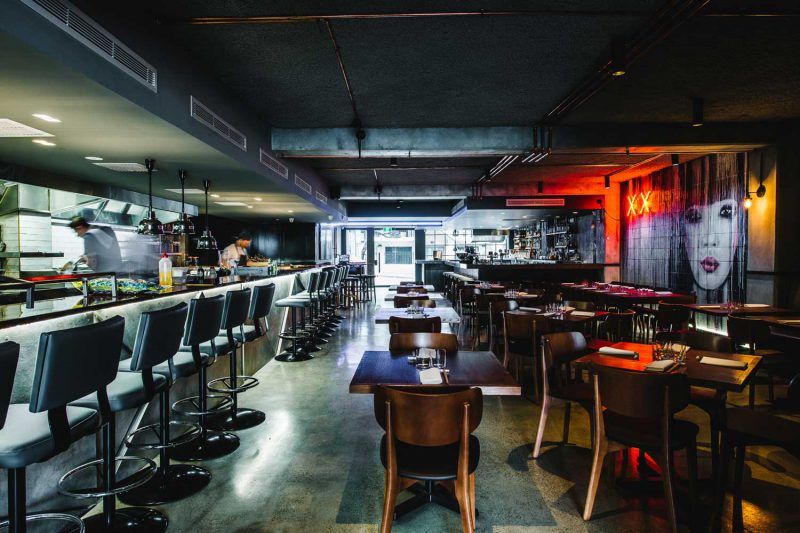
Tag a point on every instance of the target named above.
point(394, 255)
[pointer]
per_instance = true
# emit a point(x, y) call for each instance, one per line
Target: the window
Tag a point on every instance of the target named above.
point(398, 255)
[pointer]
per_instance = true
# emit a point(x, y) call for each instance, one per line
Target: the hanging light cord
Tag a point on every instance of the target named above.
point(150, 164)
point(182, 176)
point(206, 185)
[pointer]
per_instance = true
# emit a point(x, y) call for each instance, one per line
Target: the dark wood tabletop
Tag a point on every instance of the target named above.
point(425, 296)
point(747, 309)
point(430, 288)
point(713, 377)
point(447, 314)
point(569, 317)
point(471, 369)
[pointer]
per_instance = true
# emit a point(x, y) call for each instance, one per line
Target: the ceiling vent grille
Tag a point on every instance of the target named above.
point(322, 198)
point(535, 202)
point(273, 164)
point(302, 184)
point(73, 21)
point(204, 115)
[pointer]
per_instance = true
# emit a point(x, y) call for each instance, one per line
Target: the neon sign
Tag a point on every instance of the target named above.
point(639, 204)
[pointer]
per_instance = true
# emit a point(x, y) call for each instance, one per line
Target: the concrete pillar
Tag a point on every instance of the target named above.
point(419, 251)
point(370, 250)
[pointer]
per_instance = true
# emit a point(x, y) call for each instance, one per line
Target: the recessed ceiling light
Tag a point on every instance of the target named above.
point(232, 204)
point(524, 216)
point(215, 196)
point(43, 142)
point(249, 207)
point(46, 118)
point(257, 199)
point(187, 191)
point(93, 158)
point(10, 128)
point(290, 211)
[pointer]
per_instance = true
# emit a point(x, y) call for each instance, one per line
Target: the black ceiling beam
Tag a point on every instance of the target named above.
point(293, 19)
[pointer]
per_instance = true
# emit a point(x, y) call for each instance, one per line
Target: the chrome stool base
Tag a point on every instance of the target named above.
point(136, 479)
point(243, 418)
point(216, 444)
point(77, 524)
point(176, 483)
point(289, 357)
point(129, 520)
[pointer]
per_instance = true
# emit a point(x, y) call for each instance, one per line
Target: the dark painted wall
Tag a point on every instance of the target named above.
point(290, 243)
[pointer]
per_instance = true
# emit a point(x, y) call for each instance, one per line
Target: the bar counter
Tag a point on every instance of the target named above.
point(553, 272)
point(24, 326)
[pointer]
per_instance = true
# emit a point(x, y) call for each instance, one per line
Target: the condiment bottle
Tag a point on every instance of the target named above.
point(165, 271)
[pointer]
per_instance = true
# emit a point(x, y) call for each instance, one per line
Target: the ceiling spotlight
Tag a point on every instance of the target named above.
point(46, 118)
point(697, 112)
point(393, 162)
point(290, 211)
point(249, 207)
point(619, 57)
point(607, 181)
point(540, 187)
point(257, 199)
point(214, 195)
point(93, 158)
point(43, 142)
point(675, 160)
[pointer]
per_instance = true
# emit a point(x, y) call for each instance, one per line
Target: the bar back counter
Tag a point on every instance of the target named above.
point(24, 326)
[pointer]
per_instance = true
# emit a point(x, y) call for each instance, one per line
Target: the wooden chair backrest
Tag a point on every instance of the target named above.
point(641, 394)
point(407, 301)
point(406, 342)
point(700, 340)
point(399, 324)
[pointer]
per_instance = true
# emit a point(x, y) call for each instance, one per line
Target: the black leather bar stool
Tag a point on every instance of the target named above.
point(157, 341)
point(100, 349)
point(234, 315)
point(260, 307)
point(202, 327)
point(30, 438)
point(297, 335)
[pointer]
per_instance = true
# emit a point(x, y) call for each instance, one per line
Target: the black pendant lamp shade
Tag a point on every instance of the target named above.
point(184, 225)
point(150, 225)
point(206, 240)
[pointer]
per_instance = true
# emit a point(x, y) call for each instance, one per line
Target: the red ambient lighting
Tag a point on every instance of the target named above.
point(639, 204)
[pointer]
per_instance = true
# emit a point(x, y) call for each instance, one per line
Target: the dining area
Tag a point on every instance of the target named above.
point(664, 411)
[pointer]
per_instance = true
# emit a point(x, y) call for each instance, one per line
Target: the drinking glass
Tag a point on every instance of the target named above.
point(423, 361)
point(441, 359)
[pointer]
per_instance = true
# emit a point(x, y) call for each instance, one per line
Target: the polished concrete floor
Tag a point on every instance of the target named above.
point(314, 466)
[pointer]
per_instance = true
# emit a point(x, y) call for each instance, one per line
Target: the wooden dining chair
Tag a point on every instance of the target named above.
point(466, 301)
point(522, 333)
point(429, 439)
point(618, 326)
point(635, 409)
point(407, 301)
point(405, 289)
point(399, 324)
point(406, 342)
point(417, 282)
point(482, 302)
point(775, 425)
point(558, 384)
point(750, 335)
point(496, 310)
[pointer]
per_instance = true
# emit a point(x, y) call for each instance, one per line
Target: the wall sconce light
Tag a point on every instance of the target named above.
point(697, 112)
point(760, 192)
point(607, 181)
point(540, 187)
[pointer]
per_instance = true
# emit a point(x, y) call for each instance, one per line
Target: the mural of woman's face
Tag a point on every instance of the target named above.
point(711, 237)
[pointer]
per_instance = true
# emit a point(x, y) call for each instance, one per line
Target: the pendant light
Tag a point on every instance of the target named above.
point(206, 240)
point(183, 225)
point(150, 225)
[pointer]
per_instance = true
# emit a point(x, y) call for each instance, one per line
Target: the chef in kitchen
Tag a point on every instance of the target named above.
point(100, 246)
point(236, 253)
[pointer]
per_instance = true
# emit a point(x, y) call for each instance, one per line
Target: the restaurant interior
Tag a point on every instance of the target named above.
point(343, 266)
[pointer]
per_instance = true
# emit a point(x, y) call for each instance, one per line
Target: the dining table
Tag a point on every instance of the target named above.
point(748, 309)
point(465, 369)
point(429, 288)
point(437, 296)
point(448, 315)
point(724, 379)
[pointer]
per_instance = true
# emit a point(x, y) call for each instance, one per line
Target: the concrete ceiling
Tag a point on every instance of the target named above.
point(95, 121)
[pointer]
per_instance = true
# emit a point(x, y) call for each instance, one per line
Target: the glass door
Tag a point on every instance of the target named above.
point(394, 255)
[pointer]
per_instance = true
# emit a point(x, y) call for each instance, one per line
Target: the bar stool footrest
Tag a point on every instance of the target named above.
point(38, 517)
point(191, 433)
point(231, 385)
point(136, 479)
point(225, 404)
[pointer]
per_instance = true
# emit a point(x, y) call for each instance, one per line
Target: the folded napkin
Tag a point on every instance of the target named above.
point(568, 309)
point(665, 365)
point(582, 313)
point(531, 309)
point(616, 352)
point(663, 293)
point(430, 376)
point(716, 361)
point(756, 305)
